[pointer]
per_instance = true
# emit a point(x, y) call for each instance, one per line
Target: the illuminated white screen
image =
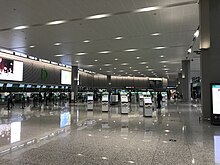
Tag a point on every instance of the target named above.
point(15, 132)
point(105, 98)
point(89, 98)
point(66, 77)
point(147, 100)
point(124, 99)
point(217, 149)
point(215, 99)
point(11, 70)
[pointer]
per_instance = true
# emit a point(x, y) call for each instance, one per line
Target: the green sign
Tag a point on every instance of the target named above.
point(44, 74)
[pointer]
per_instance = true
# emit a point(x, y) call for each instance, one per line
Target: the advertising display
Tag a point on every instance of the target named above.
point(215, 104)
point(11, 70)
point(15, 132)
point(217, 149)
point(65, 119)
point(66, 77)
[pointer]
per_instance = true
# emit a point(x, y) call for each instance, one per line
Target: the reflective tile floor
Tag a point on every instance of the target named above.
point(70, 134)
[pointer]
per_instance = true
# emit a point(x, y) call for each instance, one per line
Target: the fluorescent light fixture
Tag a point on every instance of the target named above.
point(57, 43)
point(124, 64)
point(146, 9)
point(143, 63)
point(147, 66)
point(105, 52)
point(130, 50)
point(121, 70)
point(86, 41)
point(118, 38)
point(56, 22)
point(59, 55)
point(164, 66)
point(161, 56)
point(108, 71)
point(100, 68)
point(115, 68)
point(81, 53)
point(77, 61)
point(196, 34)
point(21, 27)
point(155, 34)
point(98, 16)
point(190, 50)
point(138, 58)
point(158, 79)
point(107, 64)
point(116, 59)
point(130, 67)
point(135, 70)
point(95, 60)
point(159, 48)
point(150, 69)
point(31, 46)
point(166, 69)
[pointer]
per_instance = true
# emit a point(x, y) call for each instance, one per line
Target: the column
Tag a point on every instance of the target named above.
point(186, 88)
point(109, 83)
point(210, 50)
point(74, 84)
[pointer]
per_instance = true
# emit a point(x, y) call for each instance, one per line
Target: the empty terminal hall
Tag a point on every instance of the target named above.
point(109, 82)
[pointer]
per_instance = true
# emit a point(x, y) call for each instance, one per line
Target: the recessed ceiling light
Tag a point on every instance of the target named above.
point(100, 68)
point(57, 43)
point(130, 67)
point(155, 34)
point(143, 63)
point(124, 64)
point(164, 66)
point(31, 46)
point(113, 73)
point(95, 60)
point(56, 22)
point(159, 48)
point(121, 70)
point(118, 38)
point(150, 69)
point(59, 55)
point(147, 66)
point(90, 65)
point(181, 69)
point(139, 72)
point(115, 68)
point(135, 70)
point(138, 58)
point(107, 64)
point(163, 62)
point(77, 61)
point(162, 56)
point(81, 53)
point(21, 27)
point(105, 52)
point(86, 41)
point(166, 69)
point(116, 59)
point(108, 71)
point(130, 50)
point(146, 9)
point(98, 16)
point(190, 50)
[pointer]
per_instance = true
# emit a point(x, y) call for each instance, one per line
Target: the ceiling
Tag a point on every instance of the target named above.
point(175, 20)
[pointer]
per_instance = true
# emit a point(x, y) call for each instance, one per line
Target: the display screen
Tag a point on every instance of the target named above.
point(56, 87)
point(216, 99)
point(65, 77)
point(29, 86)
point(15, 132)
point(44, 86)
point(105, 98)
point(21, 86)
point(124, 99)
point(38, 86)
point(1, 85)
point(89, 98)
point(217, 149)
point(147, 100)
point(11, 70)
point(9, 85)
point(65, 119)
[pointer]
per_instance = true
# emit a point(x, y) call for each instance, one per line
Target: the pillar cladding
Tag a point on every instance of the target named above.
point(179, 83)
point(74, 84)
point(109, 83)
point(210, 50)
point(186, 91)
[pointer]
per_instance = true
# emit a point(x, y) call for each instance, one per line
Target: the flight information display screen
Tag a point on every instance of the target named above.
point(11, 70)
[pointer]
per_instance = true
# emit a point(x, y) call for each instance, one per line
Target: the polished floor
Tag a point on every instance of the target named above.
point(42, 135)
